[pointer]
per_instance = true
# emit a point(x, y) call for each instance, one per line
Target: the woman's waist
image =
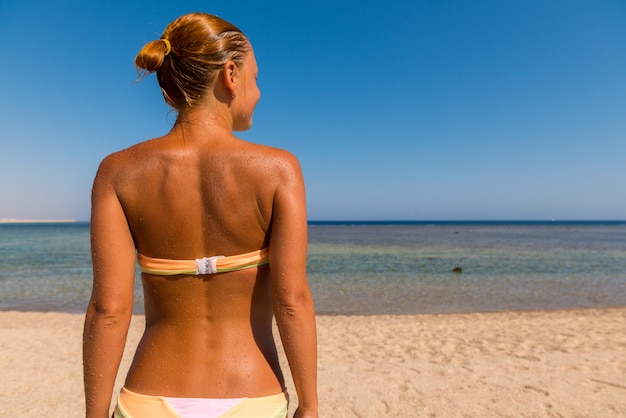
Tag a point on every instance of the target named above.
point(190, 364)
point(209, 335)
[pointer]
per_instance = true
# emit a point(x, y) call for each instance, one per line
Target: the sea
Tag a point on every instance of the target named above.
point(373, 268)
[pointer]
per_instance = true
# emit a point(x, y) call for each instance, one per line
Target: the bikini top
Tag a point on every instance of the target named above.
point(206, 265)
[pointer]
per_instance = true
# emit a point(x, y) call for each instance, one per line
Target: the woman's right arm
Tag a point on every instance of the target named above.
point(110, 307)
point(291, 296)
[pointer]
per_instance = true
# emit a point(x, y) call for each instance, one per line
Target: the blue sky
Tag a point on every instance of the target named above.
point(412, 110)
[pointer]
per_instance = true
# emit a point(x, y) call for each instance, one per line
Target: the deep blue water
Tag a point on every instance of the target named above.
point(374, 267)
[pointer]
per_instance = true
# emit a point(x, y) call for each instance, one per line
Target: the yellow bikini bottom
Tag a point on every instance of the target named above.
point(135, 405)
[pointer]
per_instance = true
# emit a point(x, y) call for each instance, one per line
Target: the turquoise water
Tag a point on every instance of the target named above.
point(411, 268)
point(373, 268)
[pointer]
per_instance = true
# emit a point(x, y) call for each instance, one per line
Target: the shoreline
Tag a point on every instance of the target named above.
point(515, 363)
point(381, 314)
point(140, 312)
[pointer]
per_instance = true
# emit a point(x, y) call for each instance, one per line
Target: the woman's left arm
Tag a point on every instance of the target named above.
point(111, 304)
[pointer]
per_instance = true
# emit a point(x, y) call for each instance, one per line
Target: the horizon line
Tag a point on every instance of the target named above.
point(339, 221)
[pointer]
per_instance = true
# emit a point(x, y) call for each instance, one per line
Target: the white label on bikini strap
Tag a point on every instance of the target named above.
point(207, 265)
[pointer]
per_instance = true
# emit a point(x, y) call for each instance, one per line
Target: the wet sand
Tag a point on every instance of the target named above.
point(512, 364)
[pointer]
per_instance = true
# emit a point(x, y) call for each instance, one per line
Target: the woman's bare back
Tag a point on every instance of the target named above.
point(191, 198)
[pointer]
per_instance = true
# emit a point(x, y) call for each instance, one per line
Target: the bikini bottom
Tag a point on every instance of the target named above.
point(135, 405)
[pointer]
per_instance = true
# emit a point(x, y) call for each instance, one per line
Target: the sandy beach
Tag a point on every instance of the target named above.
point(512, 364)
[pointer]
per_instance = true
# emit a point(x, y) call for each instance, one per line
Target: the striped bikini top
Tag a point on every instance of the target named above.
point(206, 265)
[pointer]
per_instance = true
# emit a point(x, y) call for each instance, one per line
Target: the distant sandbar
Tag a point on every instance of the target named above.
point(36, 221)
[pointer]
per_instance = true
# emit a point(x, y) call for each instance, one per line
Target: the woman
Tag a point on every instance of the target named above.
point(174, 203)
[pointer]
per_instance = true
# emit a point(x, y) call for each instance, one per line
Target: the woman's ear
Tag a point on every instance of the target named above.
point(230, 77)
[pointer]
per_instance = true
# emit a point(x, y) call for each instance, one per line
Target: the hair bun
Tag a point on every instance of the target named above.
point(151, 56)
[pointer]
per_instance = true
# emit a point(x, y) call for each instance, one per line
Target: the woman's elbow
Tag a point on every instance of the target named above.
point(293, 305)
point(110, 314)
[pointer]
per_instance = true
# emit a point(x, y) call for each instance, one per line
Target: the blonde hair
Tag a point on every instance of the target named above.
point(190, 53)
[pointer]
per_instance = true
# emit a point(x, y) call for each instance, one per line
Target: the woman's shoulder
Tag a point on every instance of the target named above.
point(276, 158)
point(119, 162)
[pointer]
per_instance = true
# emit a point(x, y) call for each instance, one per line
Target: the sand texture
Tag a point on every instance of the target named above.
point(512, 364)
